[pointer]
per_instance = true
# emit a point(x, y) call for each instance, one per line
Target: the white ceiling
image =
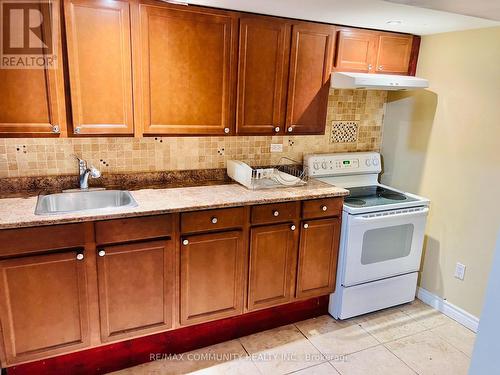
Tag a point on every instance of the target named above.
point(373, 14)
point(489, 9)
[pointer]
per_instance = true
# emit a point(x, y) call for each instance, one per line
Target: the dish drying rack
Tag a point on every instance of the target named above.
point(284, 174)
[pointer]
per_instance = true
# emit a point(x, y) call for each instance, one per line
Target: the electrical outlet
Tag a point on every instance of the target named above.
point(459, 271)
point(276, 147)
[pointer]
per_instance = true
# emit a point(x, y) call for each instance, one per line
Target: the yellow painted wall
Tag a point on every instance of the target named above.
point(444, 143)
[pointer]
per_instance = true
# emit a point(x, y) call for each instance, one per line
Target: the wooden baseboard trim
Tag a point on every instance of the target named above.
point(117, 356)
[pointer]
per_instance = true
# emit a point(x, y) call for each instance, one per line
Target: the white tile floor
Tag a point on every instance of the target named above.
point(408, 339)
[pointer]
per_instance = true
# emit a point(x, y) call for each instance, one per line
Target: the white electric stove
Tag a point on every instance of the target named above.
point(382, 235)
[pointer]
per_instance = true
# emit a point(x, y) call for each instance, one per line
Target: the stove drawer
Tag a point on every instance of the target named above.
point(319, 208)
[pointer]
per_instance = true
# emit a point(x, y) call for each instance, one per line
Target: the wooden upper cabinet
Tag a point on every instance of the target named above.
point(309, 79)
point(356, 50)
point(318, 253)
point(43, 306)
point(136, 283)
point(33, 100)
point(188, 59)
point(264, 53)
point(211, 283)
point(394, 52)
point(272, 265)
point(373, 52)
point(100, 66)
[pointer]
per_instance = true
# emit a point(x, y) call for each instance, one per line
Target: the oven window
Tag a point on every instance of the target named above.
point(383, 244)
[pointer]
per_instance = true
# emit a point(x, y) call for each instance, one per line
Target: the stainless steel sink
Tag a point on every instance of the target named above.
point(83, 201)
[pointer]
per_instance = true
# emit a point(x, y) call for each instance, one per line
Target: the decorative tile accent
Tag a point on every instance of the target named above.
point(344, 132)
point(47, 156)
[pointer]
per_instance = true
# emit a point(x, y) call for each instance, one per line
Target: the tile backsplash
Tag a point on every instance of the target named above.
point(45, 156)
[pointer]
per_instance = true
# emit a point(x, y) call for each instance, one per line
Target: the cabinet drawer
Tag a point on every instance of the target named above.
point(318, 208)
point(275, 213)
point(133, 229)
point(199, 221)
point(28, 240)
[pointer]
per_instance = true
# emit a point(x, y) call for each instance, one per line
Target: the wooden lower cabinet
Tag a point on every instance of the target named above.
point(318, 253)
point(272, 265)
point(43, 306)
point(69, 287)
point(212, 271)
point(135, 283)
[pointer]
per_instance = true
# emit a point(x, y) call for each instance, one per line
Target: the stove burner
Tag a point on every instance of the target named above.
point(355, 202)
point(393, 196)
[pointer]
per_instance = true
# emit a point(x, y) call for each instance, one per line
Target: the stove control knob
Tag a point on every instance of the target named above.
point(375, 162)
point(323, 165)
point(316, 165)
point(368, 162)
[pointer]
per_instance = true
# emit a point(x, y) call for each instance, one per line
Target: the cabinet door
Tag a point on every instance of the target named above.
point(356, 51)
point(318, 253)
point(394, 53)
point(135, 288)
point(188, 70)
point(211, 276)
point(32, 102)
point(100, 66)
point(309, 80)
point(43, 306)
point(272, 265)
point(264, 52)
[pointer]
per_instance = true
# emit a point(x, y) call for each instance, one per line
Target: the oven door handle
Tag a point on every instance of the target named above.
point(407, 213)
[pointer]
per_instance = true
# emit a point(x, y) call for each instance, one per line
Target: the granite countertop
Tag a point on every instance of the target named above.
point(19, 211)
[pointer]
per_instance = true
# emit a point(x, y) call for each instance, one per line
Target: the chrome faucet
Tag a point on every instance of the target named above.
point(85, 173)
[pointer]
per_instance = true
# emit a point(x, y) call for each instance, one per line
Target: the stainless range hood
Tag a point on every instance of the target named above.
point(346, 80)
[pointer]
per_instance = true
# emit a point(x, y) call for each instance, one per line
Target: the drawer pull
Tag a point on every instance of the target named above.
point(79, 256)
point(306, 226)
point(292, 227)
point(277, 129)
point(324, 208)
point(290, 129)
point(101, 253)
point(276, 213)
point(226, 130)
point(185, 242)
point(214, 220)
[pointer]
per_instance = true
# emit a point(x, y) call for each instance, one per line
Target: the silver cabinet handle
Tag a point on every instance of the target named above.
point(276, 213)
point(292, 227)
point(79, 256)
point(214, 220)
point(380, 67)
point(56, 129)
point(77, 130)
point(185, 242)
point(290, 129)
point(101, 253)
point(306, 226)
point(324, 208)
point(370, 66)
point(226, 130)
point(277, 129)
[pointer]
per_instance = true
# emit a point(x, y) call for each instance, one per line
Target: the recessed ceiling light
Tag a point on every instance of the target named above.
point(394, 22)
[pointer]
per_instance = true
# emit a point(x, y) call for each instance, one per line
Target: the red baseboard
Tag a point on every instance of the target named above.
point(133, 352)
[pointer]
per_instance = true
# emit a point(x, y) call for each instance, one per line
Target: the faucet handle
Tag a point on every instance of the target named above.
point(94, 172)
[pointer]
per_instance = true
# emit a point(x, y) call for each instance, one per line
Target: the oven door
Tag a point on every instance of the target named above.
point(383, 244)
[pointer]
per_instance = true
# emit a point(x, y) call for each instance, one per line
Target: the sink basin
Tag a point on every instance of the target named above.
point(83, 201)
